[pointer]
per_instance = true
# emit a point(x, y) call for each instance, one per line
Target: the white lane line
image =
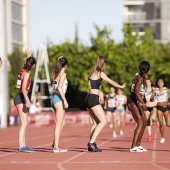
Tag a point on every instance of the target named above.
point(60, 165)
point(39, 137)
point(64, 140)
point(153, 162)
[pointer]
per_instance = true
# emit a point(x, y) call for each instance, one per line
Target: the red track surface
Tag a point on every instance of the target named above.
point(115, 153)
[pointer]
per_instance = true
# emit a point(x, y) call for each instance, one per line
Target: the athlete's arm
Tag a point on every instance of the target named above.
point(110, 81)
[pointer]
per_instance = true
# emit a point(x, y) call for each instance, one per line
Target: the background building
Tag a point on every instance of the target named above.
point(153, 14)
point(17, 24)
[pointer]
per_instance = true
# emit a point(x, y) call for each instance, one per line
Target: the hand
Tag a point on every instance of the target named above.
point(145, 108)
point(28, 53)
point(123, 85)
point(65, 104)
point(28, 104)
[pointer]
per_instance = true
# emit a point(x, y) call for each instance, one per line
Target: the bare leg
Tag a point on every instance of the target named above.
point(22, 110)
point(138, 133)
point(100, 119)
point(60, 122)
point(115, 115)
point(167, 118)
point(161, 125)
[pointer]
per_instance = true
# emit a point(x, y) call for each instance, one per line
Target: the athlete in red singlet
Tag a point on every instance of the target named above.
point(22, 101)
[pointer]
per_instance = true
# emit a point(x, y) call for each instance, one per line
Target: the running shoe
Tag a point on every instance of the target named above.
point(149, 138)
point(153, 126)
point(142, 148)
point(162, 140)
point(25, 149)
point(121, 132)
point(111, 125)
point(135, 149)
point(58, 150)
point(114, 134)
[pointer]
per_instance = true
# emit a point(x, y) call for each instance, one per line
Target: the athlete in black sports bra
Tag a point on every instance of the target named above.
point(92, 101)
point(137, 106)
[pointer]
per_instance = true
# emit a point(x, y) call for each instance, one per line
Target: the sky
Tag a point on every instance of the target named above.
point(54, 20)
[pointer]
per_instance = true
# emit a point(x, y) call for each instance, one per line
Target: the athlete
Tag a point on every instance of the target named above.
point(92, 100)
point(121, 101)
point(59, 102)
point(110, 105)
point(21, 101)
point(151, 105)
point(137, 106)
point(161, 95)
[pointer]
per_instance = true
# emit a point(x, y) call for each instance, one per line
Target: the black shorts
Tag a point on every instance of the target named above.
point(92, 100)
point(163, 108)
point(151, 108)
point(133, 99)
point(111, 109)
point(19, 99)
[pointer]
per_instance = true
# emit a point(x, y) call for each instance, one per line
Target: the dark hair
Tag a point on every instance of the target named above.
point(160, 78)
point(29, 63)
point(62, 62)
point(144, 67)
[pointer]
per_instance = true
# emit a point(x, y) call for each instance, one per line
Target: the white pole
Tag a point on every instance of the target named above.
point(3, 69)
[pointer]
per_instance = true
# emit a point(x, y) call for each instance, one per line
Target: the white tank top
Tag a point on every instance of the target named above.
point(121, 101)
point(142, 88)
point(111, 101)
point(161, 96)
point(148, 96)
point(64, 86)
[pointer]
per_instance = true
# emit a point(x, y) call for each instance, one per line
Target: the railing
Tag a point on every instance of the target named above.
point(135, 16)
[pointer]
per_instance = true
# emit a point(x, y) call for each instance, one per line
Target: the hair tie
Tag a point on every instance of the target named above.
point(60, 58)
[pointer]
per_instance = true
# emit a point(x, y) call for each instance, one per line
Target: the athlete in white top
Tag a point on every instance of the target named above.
point(59, 102)
point(161, 95)
point(110, 107)
point(151, 105)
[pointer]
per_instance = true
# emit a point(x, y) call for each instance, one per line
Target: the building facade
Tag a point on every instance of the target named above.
point(17, 24)
point(153, 14)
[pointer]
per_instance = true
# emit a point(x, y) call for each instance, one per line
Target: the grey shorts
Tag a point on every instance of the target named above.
point(19, 99)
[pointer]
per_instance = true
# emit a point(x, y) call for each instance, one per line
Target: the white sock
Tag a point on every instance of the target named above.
point(149, 130)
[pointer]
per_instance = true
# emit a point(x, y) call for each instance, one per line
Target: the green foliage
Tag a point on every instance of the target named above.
point(16, 60)
point(122, 61)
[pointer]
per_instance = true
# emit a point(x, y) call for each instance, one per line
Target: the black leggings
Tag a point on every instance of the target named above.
point(92, 100)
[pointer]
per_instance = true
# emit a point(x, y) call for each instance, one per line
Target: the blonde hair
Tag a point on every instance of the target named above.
point(99, 67)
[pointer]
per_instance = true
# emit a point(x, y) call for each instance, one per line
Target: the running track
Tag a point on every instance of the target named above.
point(115, 153)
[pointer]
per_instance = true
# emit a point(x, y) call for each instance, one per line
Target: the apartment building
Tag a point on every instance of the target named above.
point(153, 14)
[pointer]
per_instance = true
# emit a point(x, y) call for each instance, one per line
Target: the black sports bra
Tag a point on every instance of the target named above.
point(94, 84)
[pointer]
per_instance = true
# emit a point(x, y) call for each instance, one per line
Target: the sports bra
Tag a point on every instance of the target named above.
point(94, 84)
point(142, 88)
point(111, 100)
point(55, 86)
point(121, 101)
point(161, 96)
point(20, 81)
point(148, 95)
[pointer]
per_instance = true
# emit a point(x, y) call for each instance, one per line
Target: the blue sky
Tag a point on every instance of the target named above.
point(55, 20)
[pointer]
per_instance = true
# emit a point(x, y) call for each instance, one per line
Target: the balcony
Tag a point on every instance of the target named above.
point(131, 17)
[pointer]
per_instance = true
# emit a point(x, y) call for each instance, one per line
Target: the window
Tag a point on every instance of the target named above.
point(16, 12)
point(16, 32)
